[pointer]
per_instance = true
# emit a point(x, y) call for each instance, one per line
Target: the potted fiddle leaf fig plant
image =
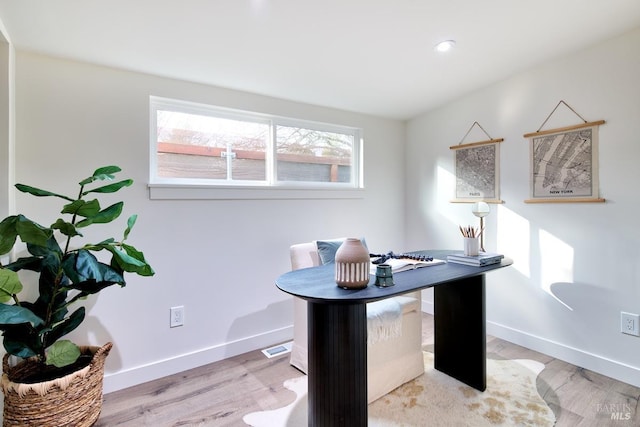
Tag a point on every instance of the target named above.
point(68, 272)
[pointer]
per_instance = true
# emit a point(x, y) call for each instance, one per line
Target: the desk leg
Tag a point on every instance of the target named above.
point(337, 373)
point(460, 331)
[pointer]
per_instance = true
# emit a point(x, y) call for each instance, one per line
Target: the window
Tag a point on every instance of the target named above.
point(205, 146)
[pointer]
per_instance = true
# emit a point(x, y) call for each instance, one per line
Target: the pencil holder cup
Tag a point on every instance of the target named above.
point(471, 246)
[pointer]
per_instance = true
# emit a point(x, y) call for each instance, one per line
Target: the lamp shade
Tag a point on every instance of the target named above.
point(480, 209)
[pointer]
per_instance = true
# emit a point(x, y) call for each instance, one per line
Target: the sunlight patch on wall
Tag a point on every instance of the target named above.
point(446, 183)
point(556, 263)
point(514, 238)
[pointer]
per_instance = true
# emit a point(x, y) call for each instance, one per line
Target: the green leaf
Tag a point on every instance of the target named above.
point(104, 216)
point(82, 208)
point(21, 340)
point(111, 188)
point(18, 349)
point(106, 171)
point(65, 228)
point(62, 353)
point(91, 287)
point(103, 173)
point(68, 325)
point(57, 305)
point(8, 234)
point(9, 284)
point(131, 260)
point(83, 266)
point(15, 315)
point(40, 193)
point(50, 269)
point(52, 247)
point(25, 263)
point(130, 223)
point(99, 246)
point(32, 232)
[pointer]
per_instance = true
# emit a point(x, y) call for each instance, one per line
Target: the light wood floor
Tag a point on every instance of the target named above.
point(220, 394)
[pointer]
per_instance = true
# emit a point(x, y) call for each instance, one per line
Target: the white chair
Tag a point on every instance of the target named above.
point(391, 361)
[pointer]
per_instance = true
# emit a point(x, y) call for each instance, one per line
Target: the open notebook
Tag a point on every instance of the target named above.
point(404, 264)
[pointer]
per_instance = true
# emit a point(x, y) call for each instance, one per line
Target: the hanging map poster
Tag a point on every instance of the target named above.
point(477, 172)
point(564, 165)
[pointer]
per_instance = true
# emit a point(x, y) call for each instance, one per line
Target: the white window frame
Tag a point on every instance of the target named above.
point(191, 188)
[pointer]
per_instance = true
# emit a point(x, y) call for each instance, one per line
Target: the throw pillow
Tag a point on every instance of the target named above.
point(327, 249)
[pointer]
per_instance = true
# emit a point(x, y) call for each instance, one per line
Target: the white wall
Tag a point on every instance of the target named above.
point(218, 258)
point(576, 266)
point(6, 125)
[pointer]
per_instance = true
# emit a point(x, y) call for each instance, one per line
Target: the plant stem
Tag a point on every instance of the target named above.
point(58, 279)
point(73, 222)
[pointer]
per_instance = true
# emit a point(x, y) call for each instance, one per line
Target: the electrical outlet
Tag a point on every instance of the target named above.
point(629, 323)
point(177, 316)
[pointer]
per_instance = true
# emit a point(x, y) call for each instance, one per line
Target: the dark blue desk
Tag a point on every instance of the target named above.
point(337, 331)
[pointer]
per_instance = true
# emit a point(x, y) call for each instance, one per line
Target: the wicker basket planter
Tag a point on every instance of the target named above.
point(73, 400)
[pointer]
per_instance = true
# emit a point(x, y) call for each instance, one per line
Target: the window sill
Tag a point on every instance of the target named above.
point(199, 192)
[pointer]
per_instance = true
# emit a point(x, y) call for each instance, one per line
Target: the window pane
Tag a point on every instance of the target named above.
point(204, 145)
point(312, 155)
point(197, 146)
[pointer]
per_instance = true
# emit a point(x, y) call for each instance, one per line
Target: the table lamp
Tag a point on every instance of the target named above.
point(481, 209)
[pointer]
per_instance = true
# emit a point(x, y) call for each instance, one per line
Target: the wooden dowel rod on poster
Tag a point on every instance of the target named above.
point(494, 201)
point(568, 200)
point(564, 129)
point(472, 144)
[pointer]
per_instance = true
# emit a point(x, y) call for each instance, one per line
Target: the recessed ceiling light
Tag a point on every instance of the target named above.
point(445, 46)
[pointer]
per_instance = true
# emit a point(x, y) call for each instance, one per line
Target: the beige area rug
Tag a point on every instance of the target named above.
point(436, 399)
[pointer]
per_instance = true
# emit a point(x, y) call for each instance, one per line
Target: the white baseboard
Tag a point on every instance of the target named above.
point(602, 365)
point(161, 368)
point(141, 374)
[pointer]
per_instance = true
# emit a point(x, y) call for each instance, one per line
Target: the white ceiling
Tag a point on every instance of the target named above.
point(369, 56)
